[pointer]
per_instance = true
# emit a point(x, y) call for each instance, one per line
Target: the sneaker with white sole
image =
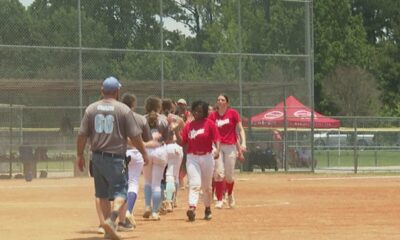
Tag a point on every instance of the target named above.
point(219, 204)
point(155, 217)
point(231, 201)
point(100, 230)
point(109, 228)
point(124, 227)
point(130, 219)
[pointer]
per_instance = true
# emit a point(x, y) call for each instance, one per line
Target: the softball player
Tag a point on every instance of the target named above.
point(174, 155)
point(153, 171)
point(135, 165)
point(227, 121)
point(199, 135)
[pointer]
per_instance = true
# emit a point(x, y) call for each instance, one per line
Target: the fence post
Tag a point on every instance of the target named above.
point(327, 157)
point(355, 145)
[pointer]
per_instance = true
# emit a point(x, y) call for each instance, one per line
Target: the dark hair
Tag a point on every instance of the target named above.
point(166, 106)
point(225, 96)
point(152, 105)
point(129, 99)
point(152, 118)
point(203, 105)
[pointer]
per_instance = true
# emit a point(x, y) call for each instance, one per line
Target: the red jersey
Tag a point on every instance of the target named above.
point(226, 125)
point(200, 135)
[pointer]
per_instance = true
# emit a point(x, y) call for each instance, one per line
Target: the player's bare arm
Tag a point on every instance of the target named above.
point(217, 149)
point(242, 134)
point(80, 146)
point(178, 135)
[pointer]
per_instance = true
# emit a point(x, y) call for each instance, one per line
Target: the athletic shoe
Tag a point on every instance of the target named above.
point(215, 197)
point(155, 217)
point(130, 219)
point(109, 228)
point(191, 214)
point(207, 214)
point(124, 227)
point(147, 212)
point(224, 198)
point(231, 201)
point(100, 230)
point(163, 208)
point(169, 207)
point(219, 204)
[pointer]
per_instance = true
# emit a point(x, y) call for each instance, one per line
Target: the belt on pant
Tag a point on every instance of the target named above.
point(107, 154)
point(200, 153)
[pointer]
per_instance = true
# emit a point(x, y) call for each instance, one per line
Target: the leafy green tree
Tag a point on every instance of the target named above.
point(382, 23)
point(340, 39)
point(60, 28)
point(14, 30)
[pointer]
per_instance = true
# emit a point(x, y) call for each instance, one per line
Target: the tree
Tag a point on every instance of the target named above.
point(14, 30)
point(353, 90)
point(382, 23)
point(340, 39)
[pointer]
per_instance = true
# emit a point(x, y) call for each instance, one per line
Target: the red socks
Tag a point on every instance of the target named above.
point(219, 189)
point(229, 187)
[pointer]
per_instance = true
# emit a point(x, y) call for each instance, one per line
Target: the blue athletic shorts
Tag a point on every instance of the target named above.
point(110, 176)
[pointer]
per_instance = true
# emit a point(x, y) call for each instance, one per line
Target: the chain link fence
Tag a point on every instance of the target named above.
point(55, 55)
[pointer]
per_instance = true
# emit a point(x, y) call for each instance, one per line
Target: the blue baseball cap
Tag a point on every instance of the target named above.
point(111, 84)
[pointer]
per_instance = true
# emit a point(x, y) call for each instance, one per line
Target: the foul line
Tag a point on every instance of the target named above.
point(38, 186)
point(343, 178)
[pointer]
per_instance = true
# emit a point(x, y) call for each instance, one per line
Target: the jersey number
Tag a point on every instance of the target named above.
point(104, 124)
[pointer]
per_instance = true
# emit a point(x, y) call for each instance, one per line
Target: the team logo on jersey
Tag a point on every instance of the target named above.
point(221, 123)
point(107, 108)
point(194, 133)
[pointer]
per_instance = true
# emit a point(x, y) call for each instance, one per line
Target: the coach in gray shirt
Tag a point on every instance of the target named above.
point(107, 124)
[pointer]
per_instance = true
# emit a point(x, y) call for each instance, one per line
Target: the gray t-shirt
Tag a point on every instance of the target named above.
point(171, 133)
point(108, 123)
point(162, 126)
point(142, 123)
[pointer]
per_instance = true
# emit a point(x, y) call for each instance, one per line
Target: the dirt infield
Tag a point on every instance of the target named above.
point(269, 206)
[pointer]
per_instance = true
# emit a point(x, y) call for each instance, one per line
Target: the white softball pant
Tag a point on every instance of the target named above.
point(200, 172)
point(135, 167)
point(174, 156)
point(225, 164)
point(153, 171)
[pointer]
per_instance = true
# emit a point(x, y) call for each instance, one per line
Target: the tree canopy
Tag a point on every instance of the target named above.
point(355, 37)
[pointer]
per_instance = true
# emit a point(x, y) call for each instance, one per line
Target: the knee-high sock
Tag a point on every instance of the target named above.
point(224, 190)
point(229, 187)
point(219, 188)
point(131, 201)
point(156, 201)
point(170, 189)
point(176, 190)
point(163, 190)
point(147, 195)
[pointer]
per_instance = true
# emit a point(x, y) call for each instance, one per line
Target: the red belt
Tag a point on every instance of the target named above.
point(200, 153)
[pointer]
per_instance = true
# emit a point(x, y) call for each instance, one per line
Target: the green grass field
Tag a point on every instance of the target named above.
point(366, 158)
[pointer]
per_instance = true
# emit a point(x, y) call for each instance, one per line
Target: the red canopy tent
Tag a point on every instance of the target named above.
point(297, 116)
